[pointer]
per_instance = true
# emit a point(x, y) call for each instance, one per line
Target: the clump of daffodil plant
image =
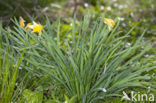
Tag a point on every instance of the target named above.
point(90, 67)
point(35, 27)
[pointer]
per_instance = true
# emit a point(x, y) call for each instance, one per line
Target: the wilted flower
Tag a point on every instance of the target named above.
point(109, 22)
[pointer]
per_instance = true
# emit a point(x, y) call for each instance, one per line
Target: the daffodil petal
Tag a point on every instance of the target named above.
point(22, 22)
point(28, 26)
point(35, 24)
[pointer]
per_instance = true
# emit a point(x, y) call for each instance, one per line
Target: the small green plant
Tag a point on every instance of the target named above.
point(33, 97)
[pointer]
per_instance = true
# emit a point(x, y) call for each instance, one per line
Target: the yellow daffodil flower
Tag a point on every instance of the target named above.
point(110, 23)
point(37, 28)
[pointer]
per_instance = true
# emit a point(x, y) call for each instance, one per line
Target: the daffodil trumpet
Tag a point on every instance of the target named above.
point(37, 28)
